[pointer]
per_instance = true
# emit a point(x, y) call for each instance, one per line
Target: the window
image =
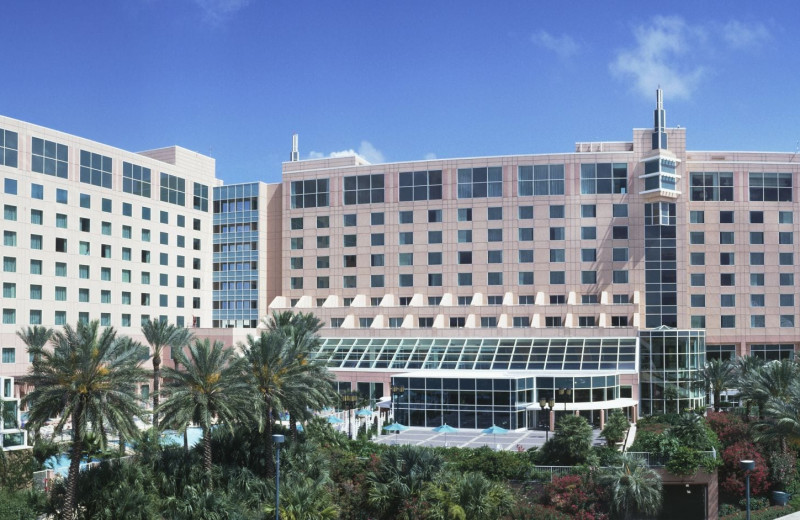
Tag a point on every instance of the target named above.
point(435, 258)
point(464, 214)
point(464, 236)
point(586, 321)
point(362, 189)
point(525, 234)
point(526, 256)
point(727, 259)
point(465, 257)
point(727, 279)
point(588, 299)
point(405, 217)
point(434, 279)
point(146, 236)
point(105, 250)
point(589, 276)
point(9, 290)
point(36, 241)
point(555, 299)
point(163, 239)
point(9, 212)
point(786, 258)
point(619, 254)
point(296, 262)
point(785, 217)
point(420, 185)
point(786, 320)
point(557, 211)
point(376, 260)
point(323, 282)
point(61, 294)
point(105, 296)
point(620, 277)
point(324, 262)
point(785, 237)
point(488, 322)
point(126, 276)
point(434, 237)
point(711, 186)
point(770, 187)
point(526, 277)
point(557, 233)
point(525, 212)
point(10, 238)
point(697, 217)
point(588, 233)
point(83, 295)
point(495, 300)
point(494, 235)
point(697, 258)
point(494, 278)
point(376, 280)
point(521, 321)
point(726, 217)
point(697, 237)
point(8, 148)
point(556, 255)
point(377, 239)
point(377, 218)
point(557, 278)
point(404, 259)
point(587, 255)
point(727, 300)
point(464, 279)
point(405, 280)
point(10, 186)
point(9, 264)
point(434, 215)
point(145, 278)
point(95, 169)
point(588, 210)
point(296, 242)
point(541, 179)
point(756, 300)
point(697, 279)
point(756, 217)
point(787, 278)
point(349, 282)
point(494, 213)
point(136, 179)
point(756, 237)
point(620, 232)
point(620, 210)
point(604, 178)
point(9, 353)
point(697, 322)
point(787, 300)
point(480, 182)
point(406, 238)
point(105, 274)
point(619, 321)
point(726, 237)
point(552, 321)
point(173, 189)
point(61, 196)
point(323, 242)
point(698, 300)
point(756, 258)
point(200, 199)
point(296, 223)
point(425, 323)
point(756, 279)
point(758, 321)
point(37, 217)
point(347, 241)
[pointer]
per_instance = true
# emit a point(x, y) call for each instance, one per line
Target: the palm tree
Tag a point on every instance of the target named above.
point(300, 331)
point(469, 495)
point(783, 421)
point(209, 386)
point(770, 381)
point(635, 489)
point(160, 334)
point(745, 367)
point(89, 378)
point(402, 474)
point(304, 498)
point(719, 375)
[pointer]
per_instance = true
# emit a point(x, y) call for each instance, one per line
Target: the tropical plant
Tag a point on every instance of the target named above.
point(401, 475)
point(782, 423)
point(634, 489)
point(90, 379)
point(746, 366)
point(467, 496)
point(719, 376)
point(304, 498)
point(731, 476)
point(615, 428)
point(571, 443)
point(159, 334)
point(576, 495)
point(209, 386)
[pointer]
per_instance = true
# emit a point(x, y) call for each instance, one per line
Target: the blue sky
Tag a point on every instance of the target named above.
point(403, 80)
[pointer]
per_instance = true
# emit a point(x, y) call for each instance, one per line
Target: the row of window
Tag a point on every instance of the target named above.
point(378, 218)
point(729, 300)
point(727, 217)
point(727, 237)
point(757, 321)
point(10, 266)
point(522, 299)
point(463, 279)
point(480, 182)
point(718, 186)
point(485, 322)
point(729, 279)
point(51, 158)
point(60, 292)
point(756, 258)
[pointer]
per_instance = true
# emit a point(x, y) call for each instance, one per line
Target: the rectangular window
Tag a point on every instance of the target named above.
point(464, 214)
point(552, 321)
point(756, 237)
point(786, 258)
point(785, 237)
point(172, 189)
point(377, 239)
point(619, 321)
point(698, 300)
point(49, 158)
point(464, 236)
point(434, 215)
point(787, 278)
point(727, 259)
point(526, 277)
point(697, 217)
point(323, 262)
point(9, 212)
point(526, 256)
point(620, 210)
point(404, 259)
point(726, 217)
point(36, 241)
point(494, 213)
point(465, 257)
point(8, 148)
point(435, 258)
point(697, 322)
point(557, 233)
point(589, 276)
point(361, 189)
point(434, 279)
point(525, 234)
point(697, 258)
point(758, 321)
point(697, 237)
point(347, 241)
point(494, 235)
point(464, 279)
point(377, 218)
point(406, 217)
point(588, 210)
point(296, 262)
point(756, 279)
point(726, 237)
point(83, 295)
point(556, 255)
point(525, 212)
point(727, 279)
point(785, 217)
point(200, 199)
point(587, 255)
point(756, 258)
point(136, 179)
point(420, 185)
point(586, 321)
point(323, 242)
point(541, 179)
point(405, 280)
point(770, 187)
point(787, 300)
point(620, 277)
point(61, 294)
point(434, 237)
point(620, 232)
point(10, 238)
point(406, 238)
point(604, 178)
point(711, 186)
point(95, 169)
point(9, 264)
point(376, 260)
point(494, 278)
point(756, 217)
point(727, 300)
point(697, 279)
point(488, 322)
point(480, 182)
point(9, 290)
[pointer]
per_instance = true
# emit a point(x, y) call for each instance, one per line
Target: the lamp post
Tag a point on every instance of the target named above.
point(547, 404)
point(278, 440)
point(565, 394)
point(349, 398)
point(747, 466)
point(397, 391)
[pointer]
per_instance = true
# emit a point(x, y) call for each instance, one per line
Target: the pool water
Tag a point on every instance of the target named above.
point(171, 437)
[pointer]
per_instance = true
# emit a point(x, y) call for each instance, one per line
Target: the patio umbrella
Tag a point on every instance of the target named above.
point(445, 429)
point(364, 413)
point(332, 419)
point(300, 427)
point(396, 428)
point(495, 430)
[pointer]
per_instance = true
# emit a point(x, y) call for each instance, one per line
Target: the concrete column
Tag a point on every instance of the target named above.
point(602, 419)
point(635, 413)
point(552, 420)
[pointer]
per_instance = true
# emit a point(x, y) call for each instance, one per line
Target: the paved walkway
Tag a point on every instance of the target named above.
point(793, 516)
point(512, 441)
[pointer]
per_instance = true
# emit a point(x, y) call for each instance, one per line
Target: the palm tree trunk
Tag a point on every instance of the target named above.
point(75, 461)
point(156, 387)
point(293, 426)
point(269, 467)
point(207, 454)
point(717, 397)
point(186, 440)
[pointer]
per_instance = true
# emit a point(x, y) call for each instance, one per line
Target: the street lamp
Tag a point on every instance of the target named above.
point(397, 391)
point(547, 404)
point(349, 399)
point(278, 440)
point(565, 393)
point(747, 466)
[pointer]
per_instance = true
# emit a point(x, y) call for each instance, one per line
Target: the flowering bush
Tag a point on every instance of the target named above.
point(732, 478)
point(576, 496)
point(729, 428)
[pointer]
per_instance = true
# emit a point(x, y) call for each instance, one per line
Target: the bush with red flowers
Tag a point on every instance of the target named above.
point(576, 496)
point(730, 428)
point(731, 478)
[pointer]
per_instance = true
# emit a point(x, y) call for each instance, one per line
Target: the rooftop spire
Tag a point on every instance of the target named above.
point(659, 122)
point(295, 149)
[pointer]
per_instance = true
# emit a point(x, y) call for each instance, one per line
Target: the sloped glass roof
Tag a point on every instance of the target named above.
point(480, 353)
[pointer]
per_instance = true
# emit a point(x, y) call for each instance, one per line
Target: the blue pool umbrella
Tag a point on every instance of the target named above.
point(332, 419)
point(445, 429)
point(300, 427)
point(495, 430)
point(364, 413)
point(396, 428)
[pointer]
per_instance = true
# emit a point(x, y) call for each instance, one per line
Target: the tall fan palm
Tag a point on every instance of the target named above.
point(635, 489)
point(745, 367)
point(770, 381)
point(89, 378)
point(719, 376)
point(34, 337)
point(784, 422)
point(209, 386)
point(160, 334)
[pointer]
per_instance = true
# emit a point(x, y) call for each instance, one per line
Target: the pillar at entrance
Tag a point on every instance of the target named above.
point(602, 419)
point(552, 420)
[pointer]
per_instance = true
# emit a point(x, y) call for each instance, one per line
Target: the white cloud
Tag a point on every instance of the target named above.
point(562, 45)
point(661, 57)
point(740, 35)
point(218, 10)
point(430, 156)
point(366, 150)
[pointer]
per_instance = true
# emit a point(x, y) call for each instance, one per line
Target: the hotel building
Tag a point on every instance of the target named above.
point(466, 289)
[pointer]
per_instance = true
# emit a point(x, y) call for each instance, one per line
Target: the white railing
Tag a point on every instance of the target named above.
point(656, 461)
